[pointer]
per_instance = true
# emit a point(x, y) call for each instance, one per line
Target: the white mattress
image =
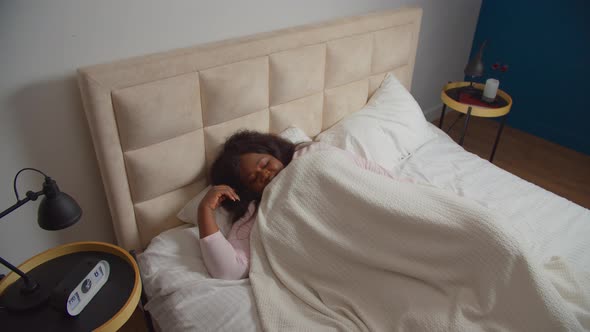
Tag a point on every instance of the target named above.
point(183, 298)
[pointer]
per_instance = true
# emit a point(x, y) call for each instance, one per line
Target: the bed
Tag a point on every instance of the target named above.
point(157, 123)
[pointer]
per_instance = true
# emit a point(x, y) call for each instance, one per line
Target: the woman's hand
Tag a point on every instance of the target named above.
point(216, 195)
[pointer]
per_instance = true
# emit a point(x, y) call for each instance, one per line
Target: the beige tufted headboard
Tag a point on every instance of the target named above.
point(157, 121)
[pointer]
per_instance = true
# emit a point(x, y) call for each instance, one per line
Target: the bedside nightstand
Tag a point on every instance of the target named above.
point(112, 306)
point(467, 100)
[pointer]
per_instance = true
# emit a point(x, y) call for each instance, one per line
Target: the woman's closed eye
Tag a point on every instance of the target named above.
point(258, 170)
point(263, 162)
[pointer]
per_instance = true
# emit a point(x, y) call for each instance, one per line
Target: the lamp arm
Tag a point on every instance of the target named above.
point(30, 284)
point(18, 173)
point(31, 196)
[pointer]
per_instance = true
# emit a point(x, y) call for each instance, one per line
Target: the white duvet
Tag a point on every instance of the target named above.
point(555, 231)
point(339, 248)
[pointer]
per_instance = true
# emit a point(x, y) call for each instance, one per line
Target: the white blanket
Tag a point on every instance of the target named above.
point(337, 247)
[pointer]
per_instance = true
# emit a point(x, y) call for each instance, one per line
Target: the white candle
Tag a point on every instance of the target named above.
point(490, 90)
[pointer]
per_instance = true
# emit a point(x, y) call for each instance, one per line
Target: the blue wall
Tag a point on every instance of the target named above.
point(547, 47)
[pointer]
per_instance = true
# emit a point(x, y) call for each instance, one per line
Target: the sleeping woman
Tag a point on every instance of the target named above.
point(247, 163)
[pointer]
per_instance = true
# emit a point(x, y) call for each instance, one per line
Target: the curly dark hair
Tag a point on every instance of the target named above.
point(226, 168)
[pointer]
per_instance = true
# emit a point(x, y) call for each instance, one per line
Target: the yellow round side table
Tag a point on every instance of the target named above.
point(451, 96)
point(111, 307)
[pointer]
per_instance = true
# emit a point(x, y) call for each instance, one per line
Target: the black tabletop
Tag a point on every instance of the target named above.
point(107, 302)
point(455, 94)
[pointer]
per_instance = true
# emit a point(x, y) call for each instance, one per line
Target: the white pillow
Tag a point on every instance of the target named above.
point(189, 212)
point(295, 135)
point(386, 130)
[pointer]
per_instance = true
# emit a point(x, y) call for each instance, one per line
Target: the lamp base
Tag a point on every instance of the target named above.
point(470, 89)
point(17, 298)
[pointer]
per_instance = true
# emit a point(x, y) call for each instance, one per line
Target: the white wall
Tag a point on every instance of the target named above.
point(42, 122)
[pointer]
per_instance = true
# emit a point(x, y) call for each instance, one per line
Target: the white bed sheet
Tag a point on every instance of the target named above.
point(552, 225)
point(183, 299)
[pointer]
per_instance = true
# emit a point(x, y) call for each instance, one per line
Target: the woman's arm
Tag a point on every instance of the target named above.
point(211, 201)
point(221, 259)
point(207, 223)
point(219, 255)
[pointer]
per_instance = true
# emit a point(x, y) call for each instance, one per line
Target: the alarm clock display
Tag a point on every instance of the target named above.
point(80, 286)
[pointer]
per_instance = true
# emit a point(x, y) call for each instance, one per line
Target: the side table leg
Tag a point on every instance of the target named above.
point(442, 115)
point(465, 126)
point(498, 137)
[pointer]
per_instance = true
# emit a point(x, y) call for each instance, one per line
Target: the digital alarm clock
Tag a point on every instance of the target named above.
point(80, 286)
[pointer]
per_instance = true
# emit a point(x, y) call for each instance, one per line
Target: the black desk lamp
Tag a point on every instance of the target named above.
point(57, 210)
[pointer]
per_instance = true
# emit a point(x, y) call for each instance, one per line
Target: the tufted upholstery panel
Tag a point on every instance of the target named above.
point(234, 90)
point(304, 113)
point(343, 100)
point(392, 48)
point(348, 59)
point(168, 165)
point(158, 121)
point(297, 73)
point(157, 111)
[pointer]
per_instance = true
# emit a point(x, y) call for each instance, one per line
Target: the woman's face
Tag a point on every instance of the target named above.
point(258, 169)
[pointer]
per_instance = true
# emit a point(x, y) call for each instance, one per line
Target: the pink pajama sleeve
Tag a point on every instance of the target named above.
point(229, 258)
point(221, 258)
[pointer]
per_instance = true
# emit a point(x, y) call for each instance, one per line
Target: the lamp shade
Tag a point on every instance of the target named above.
point(57, 210)
point(475, 66)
